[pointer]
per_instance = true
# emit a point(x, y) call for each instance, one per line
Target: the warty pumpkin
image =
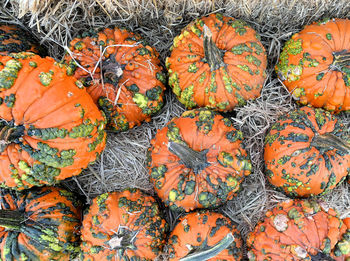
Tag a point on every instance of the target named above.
point(14, 39)
point(197, 161)
point(39, 224)
point(307, 152)
point(315, 65)
point(50, 129)
point(300, 230)
point(216, 62)
point(205, 235)
point(123, 225)
point(122, 74)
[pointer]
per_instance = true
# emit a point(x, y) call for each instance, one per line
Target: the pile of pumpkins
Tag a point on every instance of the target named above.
point(53, 122)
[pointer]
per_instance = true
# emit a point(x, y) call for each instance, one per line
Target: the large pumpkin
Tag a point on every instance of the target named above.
point(122, 73)
point(123, 225)
point(205, 235)
point(197, 161)
point(14, 39)
point(315, 65)
point(299, 230)
point(307, 152)
point(50, 129)
point(39, 224)
point(217, 62)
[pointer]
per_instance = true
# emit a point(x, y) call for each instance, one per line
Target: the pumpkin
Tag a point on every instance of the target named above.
point(122, 74)
point(123, 225)
point(307, 152)
point(299, 230)
point(216, 62)
point(197, 161)
point(50, 129)
point(205, 235)
point(314, 65)
point(39, 224)
point(14, 39)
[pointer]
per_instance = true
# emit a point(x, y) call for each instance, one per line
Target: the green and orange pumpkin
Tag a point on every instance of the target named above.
point(315, 65)
point(300, 230)
point(197, 160)
point(123, 225)
point(14, 39)
point(39, 224)
point(122, 74)
point(50, 128)
point(205, 235)
point(217, 62)
point(307, 152)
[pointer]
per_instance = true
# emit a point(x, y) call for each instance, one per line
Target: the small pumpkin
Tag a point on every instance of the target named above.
point(307, 152)
point(216, 62)
point(299, 230)
point(197, 161)
point(123, 225)
point(14, 39)
point(39, 224)
point(315, 65)
point(205, 235)
point(50, 129)
point(122, 73)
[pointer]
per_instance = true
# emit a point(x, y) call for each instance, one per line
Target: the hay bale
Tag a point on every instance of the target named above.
point(123, 162)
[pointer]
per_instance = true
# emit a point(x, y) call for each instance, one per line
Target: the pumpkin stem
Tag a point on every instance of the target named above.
point(197, 161)
point(124, 239)
point(112, 71)
point(210, 252)
point(340, 59)
point(9, 134)
point(212, 53)
point(328, 140)
point(11, 219)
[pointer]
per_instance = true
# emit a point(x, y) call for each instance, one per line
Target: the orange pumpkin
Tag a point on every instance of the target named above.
point(39, 224)
point(197, 161)
point(307, 152)
point(123, 225)
point(205, 235)
point(217, 62)
point(13, 39)
point(50, 129)
point(122, 73)
point(315, 65)
point(299, 230)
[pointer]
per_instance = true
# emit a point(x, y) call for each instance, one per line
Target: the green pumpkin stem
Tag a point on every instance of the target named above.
point(11, 219)
point(211, 251)
point(328, 140)
point(340, 60)
point(197, 161)
point(212, 53)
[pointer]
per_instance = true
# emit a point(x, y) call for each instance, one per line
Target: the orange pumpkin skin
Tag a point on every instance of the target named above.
point(314, 65)
point(44, 224)
point(185, 181)
point(14, 39)
point(133, 81)
point(123, 225)
point(299, 230)
point(217, 62)
point(306, 152)
point(50, 129)
point(199, 231)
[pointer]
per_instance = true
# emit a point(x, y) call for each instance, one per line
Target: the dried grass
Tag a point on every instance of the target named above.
point(123, 162)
